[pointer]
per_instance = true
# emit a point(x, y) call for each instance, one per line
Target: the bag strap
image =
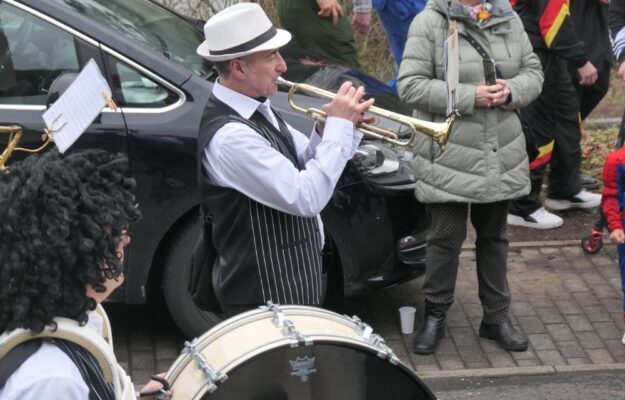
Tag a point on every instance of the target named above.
point(15, 358)
point(481, 51)
point(72, 331)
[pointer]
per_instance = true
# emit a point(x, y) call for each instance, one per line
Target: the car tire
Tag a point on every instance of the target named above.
point(191, 320)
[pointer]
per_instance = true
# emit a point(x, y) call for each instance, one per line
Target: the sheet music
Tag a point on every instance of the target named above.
point(451, 56)
point(79, 105)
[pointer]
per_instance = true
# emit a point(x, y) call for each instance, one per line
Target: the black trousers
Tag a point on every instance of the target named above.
point(448, 232)
point(553, 116)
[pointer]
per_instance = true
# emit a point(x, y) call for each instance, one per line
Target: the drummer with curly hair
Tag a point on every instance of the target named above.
point(63, 227)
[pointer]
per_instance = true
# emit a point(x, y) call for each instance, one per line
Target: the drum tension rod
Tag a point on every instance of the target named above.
point(366, 334)
point(212, 376)
point(287, 327)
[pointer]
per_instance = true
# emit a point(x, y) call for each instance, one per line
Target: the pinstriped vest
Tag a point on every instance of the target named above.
point(264, 254)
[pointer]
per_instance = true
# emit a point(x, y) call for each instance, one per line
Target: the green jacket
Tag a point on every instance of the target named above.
point(485, 159)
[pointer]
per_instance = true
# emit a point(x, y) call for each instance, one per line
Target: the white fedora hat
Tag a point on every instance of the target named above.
point(239, 30)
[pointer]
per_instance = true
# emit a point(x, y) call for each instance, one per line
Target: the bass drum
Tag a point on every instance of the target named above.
point(292, 352)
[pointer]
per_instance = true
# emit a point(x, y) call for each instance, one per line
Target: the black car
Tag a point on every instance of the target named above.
point(147, 54)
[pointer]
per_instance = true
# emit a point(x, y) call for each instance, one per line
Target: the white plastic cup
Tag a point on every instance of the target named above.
point(406, 315)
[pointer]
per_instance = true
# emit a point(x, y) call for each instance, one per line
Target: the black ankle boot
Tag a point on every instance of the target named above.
point(504, 334)
point(431, 331)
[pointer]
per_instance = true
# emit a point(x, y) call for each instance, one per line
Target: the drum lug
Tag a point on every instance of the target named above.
point(287, 327)
point(384, 351)
point(365, 332)
point(212, 376)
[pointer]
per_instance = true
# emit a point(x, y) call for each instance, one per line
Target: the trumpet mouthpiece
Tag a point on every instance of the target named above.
point(281, 81)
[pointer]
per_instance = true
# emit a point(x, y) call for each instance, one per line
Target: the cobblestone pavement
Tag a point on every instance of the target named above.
point(568, 303)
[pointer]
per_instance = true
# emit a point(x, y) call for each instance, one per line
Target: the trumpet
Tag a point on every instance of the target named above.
point(439, 131)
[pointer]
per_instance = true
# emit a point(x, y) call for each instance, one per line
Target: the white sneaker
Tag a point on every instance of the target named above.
point(623, 340)
point(539, 219)
point(582, 199)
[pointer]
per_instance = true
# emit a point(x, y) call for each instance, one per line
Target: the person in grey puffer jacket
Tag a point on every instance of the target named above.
point(485, 162)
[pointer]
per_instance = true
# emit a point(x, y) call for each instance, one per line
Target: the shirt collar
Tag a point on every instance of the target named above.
point(240, 103)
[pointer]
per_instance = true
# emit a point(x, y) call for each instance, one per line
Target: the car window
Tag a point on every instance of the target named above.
point(32, 53)
point(134, 89)
point(150, 26)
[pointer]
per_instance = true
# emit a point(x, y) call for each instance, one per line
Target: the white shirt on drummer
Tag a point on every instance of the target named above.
point(49, 374)
point(240, 158)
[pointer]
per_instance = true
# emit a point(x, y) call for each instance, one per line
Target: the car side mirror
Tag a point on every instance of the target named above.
point(59, 86)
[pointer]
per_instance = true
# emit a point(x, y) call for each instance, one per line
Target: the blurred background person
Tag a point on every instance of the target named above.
point(485, 163)
point(613, 204)
point(617, 31)
point(320, 27)
point(396, 17)
point(554, 115)
point(591, 21)
point(594, 242)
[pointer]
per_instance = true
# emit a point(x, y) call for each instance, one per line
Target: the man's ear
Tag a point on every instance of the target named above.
point(237, 68)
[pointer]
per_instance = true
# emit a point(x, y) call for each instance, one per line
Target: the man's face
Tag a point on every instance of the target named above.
point(261, 71)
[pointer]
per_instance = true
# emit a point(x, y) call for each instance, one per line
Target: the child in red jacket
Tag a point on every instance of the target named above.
point(613, 204)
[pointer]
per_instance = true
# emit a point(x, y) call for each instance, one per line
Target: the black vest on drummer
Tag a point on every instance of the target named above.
point(264, 254)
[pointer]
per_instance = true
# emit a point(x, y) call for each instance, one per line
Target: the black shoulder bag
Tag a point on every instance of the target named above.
point(530, 143)
point(203, 257)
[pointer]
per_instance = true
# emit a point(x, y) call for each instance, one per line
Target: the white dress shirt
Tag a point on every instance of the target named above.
point(240, 158)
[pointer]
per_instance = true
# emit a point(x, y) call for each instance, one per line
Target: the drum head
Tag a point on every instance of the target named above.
point(326, 370)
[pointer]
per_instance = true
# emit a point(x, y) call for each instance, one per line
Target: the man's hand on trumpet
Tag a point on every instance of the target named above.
point(346, 104)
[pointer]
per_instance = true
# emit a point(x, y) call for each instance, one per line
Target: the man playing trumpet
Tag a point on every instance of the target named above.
point(263, 182)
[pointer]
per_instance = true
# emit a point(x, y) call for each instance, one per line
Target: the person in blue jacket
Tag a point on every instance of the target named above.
point(396, 16)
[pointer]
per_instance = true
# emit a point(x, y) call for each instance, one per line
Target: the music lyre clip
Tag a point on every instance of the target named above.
point(109, 101)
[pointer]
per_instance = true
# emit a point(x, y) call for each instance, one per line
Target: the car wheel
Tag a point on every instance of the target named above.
point(190, 319)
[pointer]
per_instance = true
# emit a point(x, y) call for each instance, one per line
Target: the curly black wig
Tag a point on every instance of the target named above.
point(61, 220)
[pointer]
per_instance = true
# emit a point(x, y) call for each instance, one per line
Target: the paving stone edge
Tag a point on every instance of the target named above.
point(548, 243)
point(517, 371)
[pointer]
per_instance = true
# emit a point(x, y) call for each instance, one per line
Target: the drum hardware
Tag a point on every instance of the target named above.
point(286, 326)
point(212, 376)
point(384, 351)
point(365, 332)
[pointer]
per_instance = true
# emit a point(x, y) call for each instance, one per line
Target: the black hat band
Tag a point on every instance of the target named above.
point(249, 45)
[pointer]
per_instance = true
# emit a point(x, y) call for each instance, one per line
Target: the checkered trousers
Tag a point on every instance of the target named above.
point(448, 232)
